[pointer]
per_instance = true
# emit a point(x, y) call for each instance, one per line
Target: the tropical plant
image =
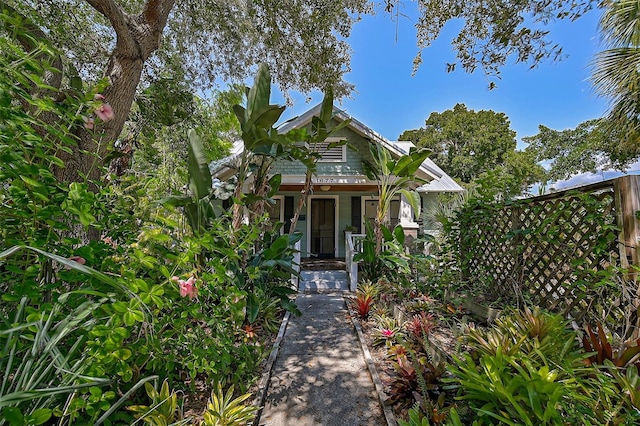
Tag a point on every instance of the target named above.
point(314, 148)
point(510, 389)
point(363, 304)
point(394, 177)
point(614, 72)
point(415, 380)
point(420, 325)
point(391, 262)
point(225, 410)
point(199, 208)
point(416, 418)
point(164, 409)
point(628, 354)
point(526, 369)
point(262, 145)
point(387, 331)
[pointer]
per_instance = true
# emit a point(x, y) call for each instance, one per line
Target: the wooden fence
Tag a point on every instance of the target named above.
point(552, 250)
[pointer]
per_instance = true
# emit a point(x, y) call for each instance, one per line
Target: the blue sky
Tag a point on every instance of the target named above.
point(390, 100)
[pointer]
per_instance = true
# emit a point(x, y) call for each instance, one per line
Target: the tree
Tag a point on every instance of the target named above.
point(493, 31)
point(615, 73)
point(395, 176)
point(468, 144)
point(160, 120)
point(587, 148)
point(124, 40)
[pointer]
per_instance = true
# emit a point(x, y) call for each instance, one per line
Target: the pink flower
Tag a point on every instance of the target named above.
point(105, 112)
point(80, 260)
point(188, 288)
point(88, 122)
point(387, 333)
point(98, 97)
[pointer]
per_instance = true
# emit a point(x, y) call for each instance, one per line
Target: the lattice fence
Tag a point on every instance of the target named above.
point(547, 251)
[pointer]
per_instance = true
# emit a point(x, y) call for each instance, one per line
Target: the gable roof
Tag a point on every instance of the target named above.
point(439, 181)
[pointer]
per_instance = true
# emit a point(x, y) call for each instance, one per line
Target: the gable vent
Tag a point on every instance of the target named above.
point(335, 154)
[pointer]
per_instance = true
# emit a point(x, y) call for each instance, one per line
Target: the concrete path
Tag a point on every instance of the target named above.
point(320, 376)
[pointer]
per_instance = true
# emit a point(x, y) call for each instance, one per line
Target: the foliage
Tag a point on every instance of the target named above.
point(262, 145)
point(199, 207)
point(527, 369)
point(391, 262)
point(540, 233)
point(490, 35)
point(387, 331)
point(164, 409)
point(614, 75)
point(479, 148)
point(310, 153)
point(587, 148)
point(415, 380)
point(363, 304)
point(420, 325)
point(159, 131)
point(395, 177)
point(626, 355)
point(225, 410)
point(416, 418)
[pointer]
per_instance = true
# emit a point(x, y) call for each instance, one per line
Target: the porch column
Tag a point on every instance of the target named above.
point(406, 219)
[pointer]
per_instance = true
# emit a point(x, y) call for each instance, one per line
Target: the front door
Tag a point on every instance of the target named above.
point(323, 227)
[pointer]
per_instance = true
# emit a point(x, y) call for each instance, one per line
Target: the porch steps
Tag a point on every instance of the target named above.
point(323, 281)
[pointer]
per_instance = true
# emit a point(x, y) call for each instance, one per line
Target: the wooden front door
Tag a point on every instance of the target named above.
point(323, 227)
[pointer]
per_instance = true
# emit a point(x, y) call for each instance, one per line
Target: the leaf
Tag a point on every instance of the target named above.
point(398, 233)
point(13, 415)
point(253, 308)
point(199, 174)
point(39, 416)
point(260, 92)
point(413, 198)
point(268, 117)
point(274, 184)
point(326, 110)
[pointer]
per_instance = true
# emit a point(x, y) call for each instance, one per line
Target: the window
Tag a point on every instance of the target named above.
point(337, 154)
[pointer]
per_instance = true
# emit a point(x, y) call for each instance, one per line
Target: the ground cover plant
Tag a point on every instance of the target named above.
point(442, 362)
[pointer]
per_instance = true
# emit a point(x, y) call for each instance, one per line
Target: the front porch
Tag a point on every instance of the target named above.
point(316, 264)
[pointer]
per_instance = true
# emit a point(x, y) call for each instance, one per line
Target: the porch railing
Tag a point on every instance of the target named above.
point(353, 244)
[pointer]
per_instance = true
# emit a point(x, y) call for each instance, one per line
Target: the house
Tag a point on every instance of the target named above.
point(342, 194)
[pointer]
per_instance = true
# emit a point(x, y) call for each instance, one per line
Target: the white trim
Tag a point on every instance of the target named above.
point(336, 198)
point(328, 180)
point(365, 198)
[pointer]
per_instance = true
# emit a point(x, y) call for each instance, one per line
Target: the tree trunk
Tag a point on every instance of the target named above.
point(304, 195)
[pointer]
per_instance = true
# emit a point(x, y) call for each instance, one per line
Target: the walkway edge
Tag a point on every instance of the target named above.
point(373, 372)
point(263, 386)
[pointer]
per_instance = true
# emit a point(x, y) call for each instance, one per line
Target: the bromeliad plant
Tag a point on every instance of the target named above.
point(387, 331)
point(225, 410)
point(628, 354)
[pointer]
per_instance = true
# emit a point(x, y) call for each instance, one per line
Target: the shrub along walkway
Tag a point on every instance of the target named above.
point(320, 376)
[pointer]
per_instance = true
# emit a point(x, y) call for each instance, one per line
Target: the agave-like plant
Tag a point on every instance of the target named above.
point(164, 409)
point(225, 410)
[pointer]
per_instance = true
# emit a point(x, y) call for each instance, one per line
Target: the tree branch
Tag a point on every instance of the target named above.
point(118, 19)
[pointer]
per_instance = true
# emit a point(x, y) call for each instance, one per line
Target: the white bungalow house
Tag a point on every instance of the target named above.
point(342, 195)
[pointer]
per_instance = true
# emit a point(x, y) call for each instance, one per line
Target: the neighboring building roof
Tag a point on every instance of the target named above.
point(439, 181)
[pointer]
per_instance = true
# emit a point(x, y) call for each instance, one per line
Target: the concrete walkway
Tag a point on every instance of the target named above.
point(320, 376)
